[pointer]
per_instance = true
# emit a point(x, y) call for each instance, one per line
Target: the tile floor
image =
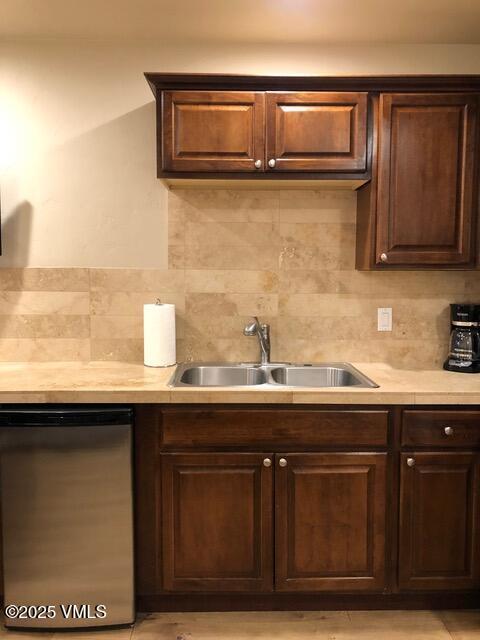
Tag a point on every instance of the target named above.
point(289, 625)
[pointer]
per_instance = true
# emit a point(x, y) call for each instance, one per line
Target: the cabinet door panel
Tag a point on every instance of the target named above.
point(212, 130)
point(439, 521)
point(330, 522)
point(217, 522)
point(426, 198)
point(317, 131)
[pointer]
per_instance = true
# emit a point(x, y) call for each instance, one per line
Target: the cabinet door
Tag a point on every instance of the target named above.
point(439, 521)
point(217, 522)
point(213, 131)
point(426, 198)
point(330, 521)
point(316, 131)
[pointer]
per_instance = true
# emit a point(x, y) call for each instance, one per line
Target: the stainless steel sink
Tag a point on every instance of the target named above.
point(221, 376)
point(341, 375)
point(272, 375)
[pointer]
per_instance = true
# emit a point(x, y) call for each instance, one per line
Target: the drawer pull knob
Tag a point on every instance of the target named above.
point(282, 462)
point(411, 462)
point(267, 462)
point(448, 431)
point(271, 163)
point(258, 164)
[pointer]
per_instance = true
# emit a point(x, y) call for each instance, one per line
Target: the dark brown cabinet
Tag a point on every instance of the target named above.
point(410, 145)
point(439, 521)
point(276, 506)
point(217, 522)
point(330, 521)
point(426, 195)
point(211, 131)
point(441, 428)
point(218, 517)
point(316, 131)
point(242, 131)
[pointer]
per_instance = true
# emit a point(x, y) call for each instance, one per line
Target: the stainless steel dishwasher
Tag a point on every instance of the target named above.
point(67, 521)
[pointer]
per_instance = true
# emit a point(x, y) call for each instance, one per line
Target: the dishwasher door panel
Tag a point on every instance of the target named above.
point(67, 521)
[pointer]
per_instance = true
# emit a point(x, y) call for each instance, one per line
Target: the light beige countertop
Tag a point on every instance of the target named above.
point(115, 382)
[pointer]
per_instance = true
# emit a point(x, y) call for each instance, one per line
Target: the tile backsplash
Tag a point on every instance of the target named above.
point(286, 256)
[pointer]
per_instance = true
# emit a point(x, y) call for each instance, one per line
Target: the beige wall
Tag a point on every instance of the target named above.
point(77, 158)
point(78, 188)
point(286, 256)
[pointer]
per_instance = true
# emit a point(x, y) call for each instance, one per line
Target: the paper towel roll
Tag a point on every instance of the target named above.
point(159, 335)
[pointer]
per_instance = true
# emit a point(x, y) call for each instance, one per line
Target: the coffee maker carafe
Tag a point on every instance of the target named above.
point(464, 354)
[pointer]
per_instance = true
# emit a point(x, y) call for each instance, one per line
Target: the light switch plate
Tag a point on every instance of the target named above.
point(384, 319)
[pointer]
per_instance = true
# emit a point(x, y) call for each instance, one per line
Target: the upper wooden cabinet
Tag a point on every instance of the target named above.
point(426, 170)
point(316, 131)
point(420, 209)
point(209, 132)
point(409, 144)
point(213, 130)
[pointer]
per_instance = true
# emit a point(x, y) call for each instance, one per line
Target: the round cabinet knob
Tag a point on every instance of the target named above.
point(267, 462)
point(258, 164)
point(282, 462)
point(271, 163)
point(411, 462)
point(383, 257)
point(448, 431)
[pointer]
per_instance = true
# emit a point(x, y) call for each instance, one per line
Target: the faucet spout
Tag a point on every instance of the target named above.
point(262, 331)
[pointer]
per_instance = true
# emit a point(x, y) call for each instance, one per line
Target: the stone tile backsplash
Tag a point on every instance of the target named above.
point(287, 256)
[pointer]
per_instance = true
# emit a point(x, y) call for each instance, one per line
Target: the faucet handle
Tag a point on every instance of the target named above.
point(251, 328)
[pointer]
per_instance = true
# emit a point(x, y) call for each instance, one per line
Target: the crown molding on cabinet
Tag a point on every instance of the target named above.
point(398, 83)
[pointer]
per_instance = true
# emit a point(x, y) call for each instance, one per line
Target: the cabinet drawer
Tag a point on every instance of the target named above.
point(441, 428)
point(270, 428)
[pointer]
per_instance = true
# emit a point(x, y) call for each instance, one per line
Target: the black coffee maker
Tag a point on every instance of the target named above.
point(464, 352)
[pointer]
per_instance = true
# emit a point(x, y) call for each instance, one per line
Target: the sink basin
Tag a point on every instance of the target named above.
point(270, 376)
point(222, 376)
point(320, 376)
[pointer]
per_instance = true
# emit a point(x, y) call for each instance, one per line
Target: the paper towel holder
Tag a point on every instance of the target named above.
point(159, 334)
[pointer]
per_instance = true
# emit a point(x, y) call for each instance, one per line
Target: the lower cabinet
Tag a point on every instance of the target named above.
point(439, 521)
point(284, 506)
point(218, 515)
point(217, 524)
point(330, 521)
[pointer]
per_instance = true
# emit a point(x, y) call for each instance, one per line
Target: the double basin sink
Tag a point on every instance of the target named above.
point(273, 375)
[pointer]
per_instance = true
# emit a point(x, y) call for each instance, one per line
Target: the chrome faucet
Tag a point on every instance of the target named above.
point(262, 331)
